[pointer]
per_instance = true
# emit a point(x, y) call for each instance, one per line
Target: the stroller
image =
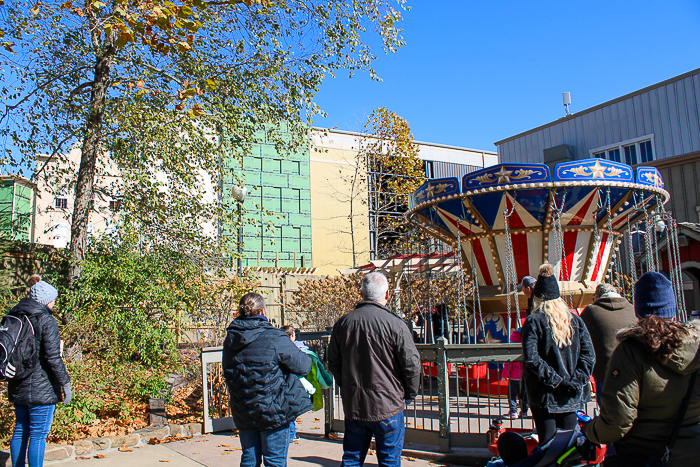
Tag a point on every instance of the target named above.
point(568, 448)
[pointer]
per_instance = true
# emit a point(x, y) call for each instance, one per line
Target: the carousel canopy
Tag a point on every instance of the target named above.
point(510, 218)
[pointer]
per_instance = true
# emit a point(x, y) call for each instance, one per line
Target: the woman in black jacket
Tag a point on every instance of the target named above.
point(262, 368)
point(559, 358)
point(35, 396)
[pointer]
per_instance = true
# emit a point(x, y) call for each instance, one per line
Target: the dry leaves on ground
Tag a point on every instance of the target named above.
point(223, 445)
point(125, 448)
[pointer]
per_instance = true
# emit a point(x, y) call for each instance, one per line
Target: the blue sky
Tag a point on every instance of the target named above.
point(475, 72)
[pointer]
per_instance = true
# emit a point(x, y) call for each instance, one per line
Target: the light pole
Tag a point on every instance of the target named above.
point(239, 193)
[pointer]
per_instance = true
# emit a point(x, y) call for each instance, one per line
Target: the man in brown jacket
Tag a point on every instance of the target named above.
point(376, 365)
point(609, 313)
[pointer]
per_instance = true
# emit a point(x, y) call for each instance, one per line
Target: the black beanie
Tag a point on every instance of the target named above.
point(546, 287)
point(511, 447)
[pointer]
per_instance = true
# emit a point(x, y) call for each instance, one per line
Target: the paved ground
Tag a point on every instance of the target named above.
point(223, 449)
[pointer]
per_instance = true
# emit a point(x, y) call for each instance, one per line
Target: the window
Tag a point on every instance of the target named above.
point(631, 152)
point(60, 235)
point(645, 151)
point(115, 204)
point(614, 155)
point(61, 202)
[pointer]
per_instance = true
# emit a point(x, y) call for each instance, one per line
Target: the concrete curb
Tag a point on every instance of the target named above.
point(466, 457)
point(56, 453)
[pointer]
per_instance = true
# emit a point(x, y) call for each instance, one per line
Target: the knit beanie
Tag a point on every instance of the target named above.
point(653, 296)
point(546, 287)
point(41, 291)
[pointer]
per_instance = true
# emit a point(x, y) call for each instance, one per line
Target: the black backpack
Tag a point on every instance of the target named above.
point(19, 350)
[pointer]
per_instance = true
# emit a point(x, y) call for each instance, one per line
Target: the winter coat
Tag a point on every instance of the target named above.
point(513, 370)
point(43, 385)
point(319, 378)
point(642, 396)
point(374, 361)
point(546, 365)
point(261, 367)
point(603, 319)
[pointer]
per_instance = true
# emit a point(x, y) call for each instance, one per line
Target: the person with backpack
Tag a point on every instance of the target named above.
point(36, 393)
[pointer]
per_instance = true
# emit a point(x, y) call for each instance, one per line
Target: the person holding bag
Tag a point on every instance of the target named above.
point(36, 395)
point(650, 408)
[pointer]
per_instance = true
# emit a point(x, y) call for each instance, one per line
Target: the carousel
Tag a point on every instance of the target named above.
point(585, 217)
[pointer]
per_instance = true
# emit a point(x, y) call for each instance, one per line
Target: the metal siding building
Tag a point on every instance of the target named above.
point(658, 125)
point(667, 111)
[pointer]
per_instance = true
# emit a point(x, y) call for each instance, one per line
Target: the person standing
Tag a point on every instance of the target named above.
point(558, 359)
point(35, 396)
point(647, 378)
point(608, 313)
point(376, 364)
point(512, 372)
point(261, 367)
point(528, 286)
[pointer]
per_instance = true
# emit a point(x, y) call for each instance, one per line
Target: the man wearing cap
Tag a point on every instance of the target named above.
point(608, 313)
point(528, 286)
point(647, 378)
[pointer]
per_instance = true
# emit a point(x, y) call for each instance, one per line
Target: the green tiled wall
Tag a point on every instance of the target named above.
point(16, 209)
point(282, 185)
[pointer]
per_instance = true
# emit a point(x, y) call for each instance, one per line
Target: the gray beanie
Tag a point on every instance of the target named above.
point(43, 292)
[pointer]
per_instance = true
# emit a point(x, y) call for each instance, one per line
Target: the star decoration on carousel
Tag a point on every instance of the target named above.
point(597, 170)
point(503, 175)
point(429, 191)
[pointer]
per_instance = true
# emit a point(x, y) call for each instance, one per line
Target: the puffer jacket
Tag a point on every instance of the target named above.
point(261, 367)
point(546, 365)
point(43, 385)
point(603, 319)
point(642, 396)
point(374, 361)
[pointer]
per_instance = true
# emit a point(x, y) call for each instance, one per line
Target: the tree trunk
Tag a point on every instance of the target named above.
point(90, 153)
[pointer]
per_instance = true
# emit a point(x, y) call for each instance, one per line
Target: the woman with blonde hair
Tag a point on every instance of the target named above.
point(558, 359)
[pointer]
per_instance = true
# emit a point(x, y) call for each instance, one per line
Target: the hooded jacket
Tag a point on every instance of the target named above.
point(261, 365)
point(604, 318)
point(43, 385)
point(642, 396)
point(546, 365)
point(374, 361)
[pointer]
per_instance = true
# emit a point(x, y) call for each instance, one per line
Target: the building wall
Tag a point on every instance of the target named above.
point(333, 166)
point(333, 163)
point(668, 112)
point(53, 221)
point(280, 185)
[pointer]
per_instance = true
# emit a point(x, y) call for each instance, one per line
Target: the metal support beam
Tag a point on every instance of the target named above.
point(443, 395)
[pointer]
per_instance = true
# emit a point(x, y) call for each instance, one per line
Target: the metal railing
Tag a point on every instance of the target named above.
point(461, 391)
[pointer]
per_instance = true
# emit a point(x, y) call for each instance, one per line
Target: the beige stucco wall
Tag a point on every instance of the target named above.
point(333, 164)
point(53, 224)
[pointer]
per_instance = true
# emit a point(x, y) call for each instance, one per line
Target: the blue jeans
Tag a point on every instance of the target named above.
point(269, 446)
point(33, 423)
point(388, 435)
point(292, 431)
point(515, 398)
